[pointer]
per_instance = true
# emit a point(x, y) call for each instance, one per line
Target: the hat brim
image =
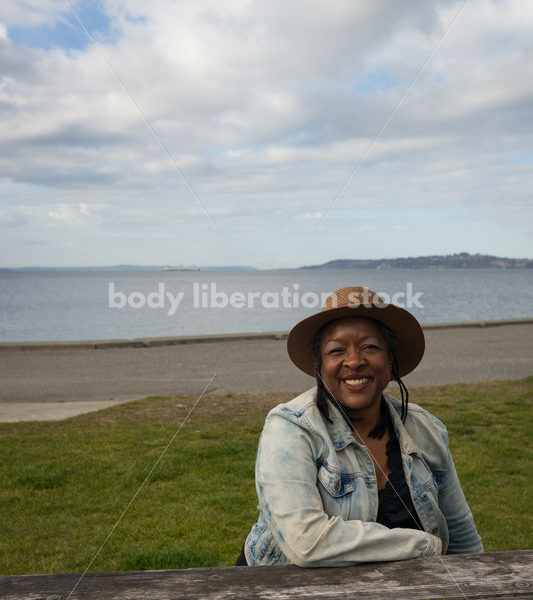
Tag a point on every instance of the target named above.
point(408, 332)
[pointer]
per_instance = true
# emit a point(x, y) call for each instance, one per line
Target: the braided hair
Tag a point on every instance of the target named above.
point(323, 396)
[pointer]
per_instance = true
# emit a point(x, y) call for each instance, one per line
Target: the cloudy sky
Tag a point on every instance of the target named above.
point(274, 134)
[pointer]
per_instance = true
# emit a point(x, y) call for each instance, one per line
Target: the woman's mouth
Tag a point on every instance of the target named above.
point(357, 384)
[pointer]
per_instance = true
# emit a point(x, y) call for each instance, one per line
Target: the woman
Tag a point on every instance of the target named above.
point(345, 473)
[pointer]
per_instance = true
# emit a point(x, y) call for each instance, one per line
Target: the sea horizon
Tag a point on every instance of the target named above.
point(462, 260)
point(41, 306)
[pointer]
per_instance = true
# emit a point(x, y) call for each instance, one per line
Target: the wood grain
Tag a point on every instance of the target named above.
point(499, 575)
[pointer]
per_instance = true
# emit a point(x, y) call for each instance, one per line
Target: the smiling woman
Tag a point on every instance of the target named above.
point(345, 473)
point(356, 365)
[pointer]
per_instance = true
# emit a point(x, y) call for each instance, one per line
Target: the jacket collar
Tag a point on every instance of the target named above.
point(339, 431)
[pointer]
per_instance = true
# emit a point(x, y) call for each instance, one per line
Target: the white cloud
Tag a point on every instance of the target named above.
point(70, 215)
point(266, 109)
point(314, 216)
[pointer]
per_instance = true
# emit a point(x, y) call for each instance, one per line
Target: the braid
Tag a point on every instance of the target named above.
point(322, 395)
point(404, 392)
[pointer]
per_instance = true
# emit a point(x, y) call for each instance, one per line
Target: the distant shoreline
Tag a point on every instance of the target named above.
point(463, 260)
point(121, 268)
point(449, 261)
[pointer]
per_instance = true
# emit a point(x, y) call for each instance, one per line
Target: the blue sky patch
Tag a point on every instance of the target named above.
point(66, 33)
point(376, 81)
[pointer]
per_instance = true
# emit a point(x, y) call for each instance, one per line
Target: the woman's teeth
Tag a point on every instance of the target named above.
point(357, 381)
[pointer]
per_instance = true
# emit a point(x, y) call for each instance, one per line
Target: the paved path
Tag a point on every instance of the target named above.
point(50, 382)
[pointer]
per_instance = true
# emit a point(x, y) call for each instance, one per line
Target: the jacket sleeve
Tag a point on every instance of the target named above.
point(286, 481)
point(463, 535)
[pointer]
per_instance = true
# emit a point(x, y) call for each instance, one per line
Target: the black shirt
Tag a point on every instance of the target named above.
point(396, 507)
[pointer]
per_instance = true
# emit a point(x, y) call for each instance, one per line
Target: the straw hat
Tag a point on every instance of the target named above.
point(359, 302)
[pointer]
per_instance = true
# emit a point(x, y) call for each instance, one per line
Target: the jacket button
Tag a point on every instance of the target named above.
point(434, 530)
point(424, 497)
point(336, 486)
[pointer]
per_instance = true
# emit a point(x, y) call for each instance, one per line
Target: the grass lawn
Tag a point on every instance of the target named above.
point(64, 485)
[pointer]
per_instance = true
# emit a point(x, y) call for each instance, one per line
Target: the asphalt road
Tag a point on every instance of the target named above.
point(55, 383)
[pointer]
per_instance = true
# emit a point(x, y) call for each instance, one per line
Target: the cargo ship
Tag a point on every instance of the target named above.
point(181, 268)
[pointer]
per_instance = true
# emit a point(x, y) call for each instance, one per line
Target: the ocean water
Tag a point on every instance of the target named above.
point(90, 305)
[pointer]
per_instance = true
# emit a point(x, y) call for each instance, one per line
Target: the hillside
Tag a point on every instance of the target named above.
point(449, 261)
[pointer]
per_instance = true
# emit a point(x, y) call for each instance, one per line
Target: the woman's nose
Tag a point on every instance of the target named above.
point(353, 358)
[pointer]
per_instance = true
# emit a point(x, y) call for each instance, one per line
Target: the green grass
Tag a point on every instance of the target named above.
point(64, 485)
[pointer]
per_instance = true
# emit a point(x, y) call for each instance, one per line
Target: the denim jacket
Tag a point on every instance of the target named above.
point(318, 496)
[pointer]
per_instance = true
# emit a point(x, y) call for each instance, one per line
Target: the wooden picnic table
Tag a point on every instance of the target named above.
point(498, 575)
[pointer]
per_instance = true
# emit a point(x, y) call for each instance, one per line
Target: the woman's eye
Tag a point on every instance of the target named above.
point(370, 347)
point(335, 351)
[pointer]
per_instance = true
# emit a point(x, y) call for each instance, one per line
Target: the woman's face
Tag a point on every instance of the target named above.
point(356, 364)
